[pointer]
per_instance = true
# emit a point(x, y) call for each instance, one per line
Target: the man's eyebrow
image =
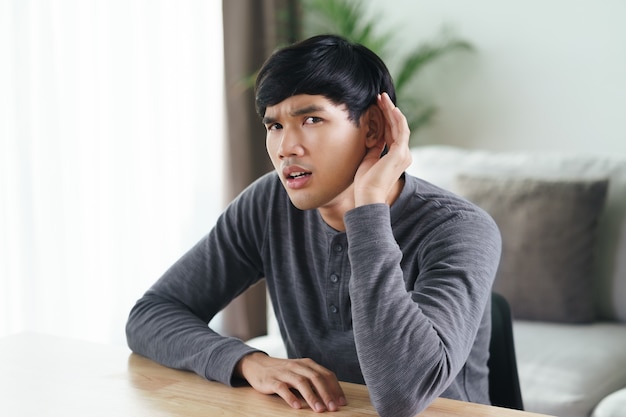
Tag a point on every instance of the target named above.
point(268, 120)
point(307, 109)
point(297, 112)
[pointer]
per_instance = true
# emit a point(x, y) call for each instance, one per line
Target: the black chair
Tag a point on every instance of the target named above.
point(504, 388)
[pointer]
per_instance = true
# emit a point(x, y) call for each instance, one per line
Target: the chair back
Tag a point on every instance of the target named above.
point(504, 387)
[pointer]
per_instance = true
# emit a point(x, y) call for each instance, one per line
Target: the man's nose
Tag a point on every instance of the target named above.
point(290, 144)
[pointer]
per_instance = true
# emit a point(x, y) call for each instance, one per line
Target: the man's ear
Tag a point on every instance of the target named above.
point(374, 125)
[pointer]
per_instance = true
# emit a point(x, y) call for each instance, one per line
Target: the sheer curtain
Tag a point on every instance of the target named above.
point(252, 30)
point(111, 132)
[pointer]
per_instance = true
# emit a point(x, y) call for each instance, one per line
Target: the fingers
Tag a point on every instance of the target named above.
point(317, 386)
point(397, 135)
point(376, 177)
point(283, 390)
point(396, 129)
point(320, 389)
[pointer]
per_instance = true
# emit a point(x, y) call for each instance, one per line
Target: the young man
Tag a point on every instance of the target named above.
point(375, 276)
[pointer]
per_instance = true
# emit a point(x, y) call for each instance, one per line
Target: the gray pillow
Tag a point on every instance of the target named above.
point(548, 229)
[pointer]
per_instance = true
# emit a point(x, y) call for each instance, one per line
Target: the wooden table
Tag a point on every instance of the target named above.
point(50, 376)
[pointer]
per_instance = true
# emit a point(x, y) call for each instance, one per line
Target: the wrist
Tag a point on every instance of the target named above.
point(377, 195)
point(246, 361)
point(364, 197)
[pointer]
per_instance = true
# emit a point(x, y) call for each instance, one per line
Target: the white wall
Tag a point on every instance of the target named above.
point(546, 74)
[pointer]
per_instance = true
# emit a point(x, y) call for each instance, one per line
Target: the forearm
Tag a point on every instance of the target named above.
point(169, 323)
point(425, 327)
point(173, 336)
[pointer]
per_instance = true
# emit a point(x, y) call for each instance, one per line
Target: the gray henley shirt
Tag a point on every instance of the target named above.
point(399, 301)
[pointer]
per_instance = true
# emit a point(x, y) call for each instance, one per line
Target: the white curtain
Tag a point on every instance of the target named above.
point(110, 154)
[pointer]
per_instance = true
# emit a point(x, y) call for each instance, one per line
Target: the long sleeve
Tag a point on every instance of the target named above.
point(169, 324)
point(162, 325)
point(416, 311)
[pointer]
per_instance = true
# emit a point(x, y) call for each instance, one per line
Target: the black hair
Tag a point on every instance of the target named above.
point(328, 65)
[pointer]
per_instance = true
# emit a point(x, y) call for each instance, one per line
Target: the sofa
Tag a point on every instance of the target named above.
point(562, 217)
point(563, 268)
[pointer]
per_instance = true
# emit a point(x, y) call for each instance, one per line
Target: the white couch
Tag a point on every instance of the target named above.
point(566, 369)
point(572, 364)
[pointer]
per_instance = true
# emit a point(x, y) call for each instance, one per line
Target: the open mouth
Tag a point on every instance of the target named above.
point(296, 175)
point(297, 179)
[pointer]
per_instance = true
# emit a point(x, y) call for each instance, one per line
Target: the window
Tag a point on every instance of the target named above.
point(110, 155)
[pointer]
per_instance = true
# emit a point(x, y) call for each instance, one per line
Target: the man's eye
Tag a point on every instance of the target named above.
point(274, 126)
point(312, 120)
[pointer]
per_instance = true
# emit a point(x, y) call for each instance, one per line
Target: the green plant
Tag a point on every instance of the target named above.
point(349, 19)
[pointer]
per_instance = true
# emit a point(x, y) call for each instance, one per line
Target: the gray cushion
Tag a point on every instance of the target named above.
point(441, 164)
point(548, 231)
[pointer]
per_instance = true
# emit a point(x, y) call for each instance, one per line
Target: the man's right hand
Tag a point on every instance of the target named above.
point(317, 385)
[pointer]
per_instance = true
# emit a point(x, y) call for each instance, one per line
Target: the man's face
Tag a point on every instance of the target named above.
point(315, 150)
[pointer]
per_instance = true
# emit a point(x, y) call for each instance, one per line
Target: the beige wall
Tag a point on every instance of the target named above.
point(546, 74)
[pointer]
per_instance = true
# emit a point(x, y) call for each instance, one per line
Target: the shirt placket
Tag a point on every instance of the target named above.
point(337, 302)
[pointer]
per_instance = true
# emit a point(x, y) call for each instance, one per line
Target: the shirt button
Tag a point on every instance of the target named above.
point(334, 278)
point(338, 248)
point(333, 309)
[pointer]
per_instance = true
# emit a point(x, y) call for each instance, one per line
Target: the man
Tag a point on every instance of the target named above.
point(375, 276)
